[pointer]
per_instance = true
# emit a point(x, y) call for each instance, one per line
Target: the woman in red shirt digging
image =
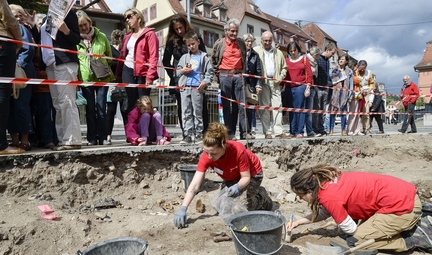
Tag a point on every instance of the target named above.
point(389, 208)
point(239, 168)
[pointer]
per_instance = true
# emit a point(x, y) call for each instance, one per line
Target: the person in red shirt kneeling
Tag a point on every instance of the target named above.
point(389, 208)
point(239, 168)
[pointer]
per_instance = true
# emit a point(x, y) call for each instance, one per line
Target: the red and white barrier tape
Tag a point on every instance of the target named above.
point(173, 68)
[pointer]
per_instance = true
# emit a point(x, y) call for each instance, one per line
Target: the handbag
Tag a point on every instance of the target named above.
point(251, 97)
point(307, 90)
point(19, 73)
point(118, 94)
point(99, 69)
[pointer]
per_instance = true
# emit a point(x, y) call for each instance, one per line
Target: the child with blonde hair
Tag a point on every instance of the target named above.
point(145, 125)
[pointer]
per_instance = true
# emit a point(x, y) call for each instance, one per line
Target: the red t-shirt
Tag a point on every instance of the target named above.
point(231, 58)
point(236, 159)
point(361, 195)
point(299, 71)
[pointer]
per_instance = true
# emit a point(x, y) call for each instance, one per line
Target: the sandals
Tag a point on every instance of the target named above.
point(163, 141)
point(49, 146)
point(143, 143)
point(23, 146)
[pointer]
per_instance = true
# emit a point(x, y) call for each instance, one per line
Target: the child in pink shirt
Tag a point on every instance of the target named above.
point(145, 125)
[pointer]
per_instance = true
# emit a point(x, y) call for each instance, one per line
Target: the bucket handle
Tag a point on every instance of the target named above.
point(278, 213)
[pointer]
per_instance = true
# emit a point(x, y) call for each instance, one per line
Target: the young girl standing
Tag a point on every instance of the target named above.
point(145, 125)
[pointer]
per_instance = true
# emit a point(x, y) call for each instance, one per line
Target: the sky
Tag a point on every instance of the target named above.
point(119, 6)
point(391, 35)
point(363, 30)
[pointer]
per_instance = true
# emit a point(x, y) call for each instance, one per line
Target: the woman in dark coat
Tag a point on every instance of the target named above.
point(253, 66)
point(377, 109)
point(174, 49)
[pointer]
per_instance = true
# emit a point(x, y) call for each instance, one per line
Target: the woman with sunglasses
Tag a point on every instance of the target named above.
point(140, 49)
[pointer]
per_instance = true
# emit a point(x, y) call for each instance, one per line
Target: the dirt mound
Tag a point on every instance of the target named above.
point(137, 191)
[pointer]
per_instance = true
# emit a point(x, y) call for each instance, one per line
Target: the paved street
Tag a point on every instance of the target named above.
point(391, 129)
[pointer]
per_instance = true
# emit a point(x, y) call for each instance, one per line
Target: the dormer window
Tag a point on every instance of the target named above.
point(255, 8)
point(207, 11)
point(220, 11)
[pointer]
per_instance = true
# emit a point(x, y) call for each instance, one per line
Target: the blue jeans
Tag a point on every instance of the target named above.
point(7, 69)
point(297, 119)
point(343, 116)
point(96, 113)
point(251, 118)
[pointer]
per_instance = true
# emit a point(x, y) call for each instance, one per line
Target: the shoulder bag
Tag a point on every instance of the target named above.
point(251, 96)
point(99, 69)
point(19, 73)
point(307, 90)
point(118, 94)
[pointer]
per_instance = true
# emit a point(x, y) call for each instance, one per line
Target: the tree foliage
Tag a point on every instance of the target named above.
point(31, 5)
point(420, 102)
point(390, 99)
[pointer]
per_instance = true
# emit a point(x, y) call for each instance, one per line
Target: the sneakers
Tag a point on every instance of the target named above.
point(106, 142)
point(321, 134)
point(91, 143)
point(412, 132)
point(311, 134)
point(232, 138)
point(247, 137)
point(198, 139)
point(186, 140)
point(299, 136)
point(423, 234)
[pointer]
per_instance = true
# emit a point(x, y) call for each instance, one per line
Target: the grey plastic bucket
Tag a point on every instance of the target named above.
point(264, 235)
point(117, 246)
point(187, 173)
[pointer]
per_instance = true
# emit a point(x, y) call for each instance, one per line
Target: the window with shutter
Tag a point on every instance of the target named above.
point(206, 42)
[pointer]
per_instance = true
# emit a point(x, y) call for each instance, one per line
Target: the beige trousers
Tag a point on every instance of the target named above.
point(63, 97)
point(271, 95)
point(353, 120)
point(365, 119)
point(386, 229)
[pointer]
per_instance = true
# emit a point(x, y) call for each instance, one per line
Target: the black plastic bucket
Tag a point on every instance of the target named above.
point(187, 173)
point(117, 246)
point(264, 234)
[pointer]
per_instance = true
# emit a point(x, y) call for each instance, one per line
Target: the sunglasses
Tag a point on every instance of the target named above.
point(130, 15)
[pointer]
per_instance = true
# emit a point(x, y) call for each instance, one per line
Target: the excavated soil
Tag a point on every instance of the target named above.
point(125, 191)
